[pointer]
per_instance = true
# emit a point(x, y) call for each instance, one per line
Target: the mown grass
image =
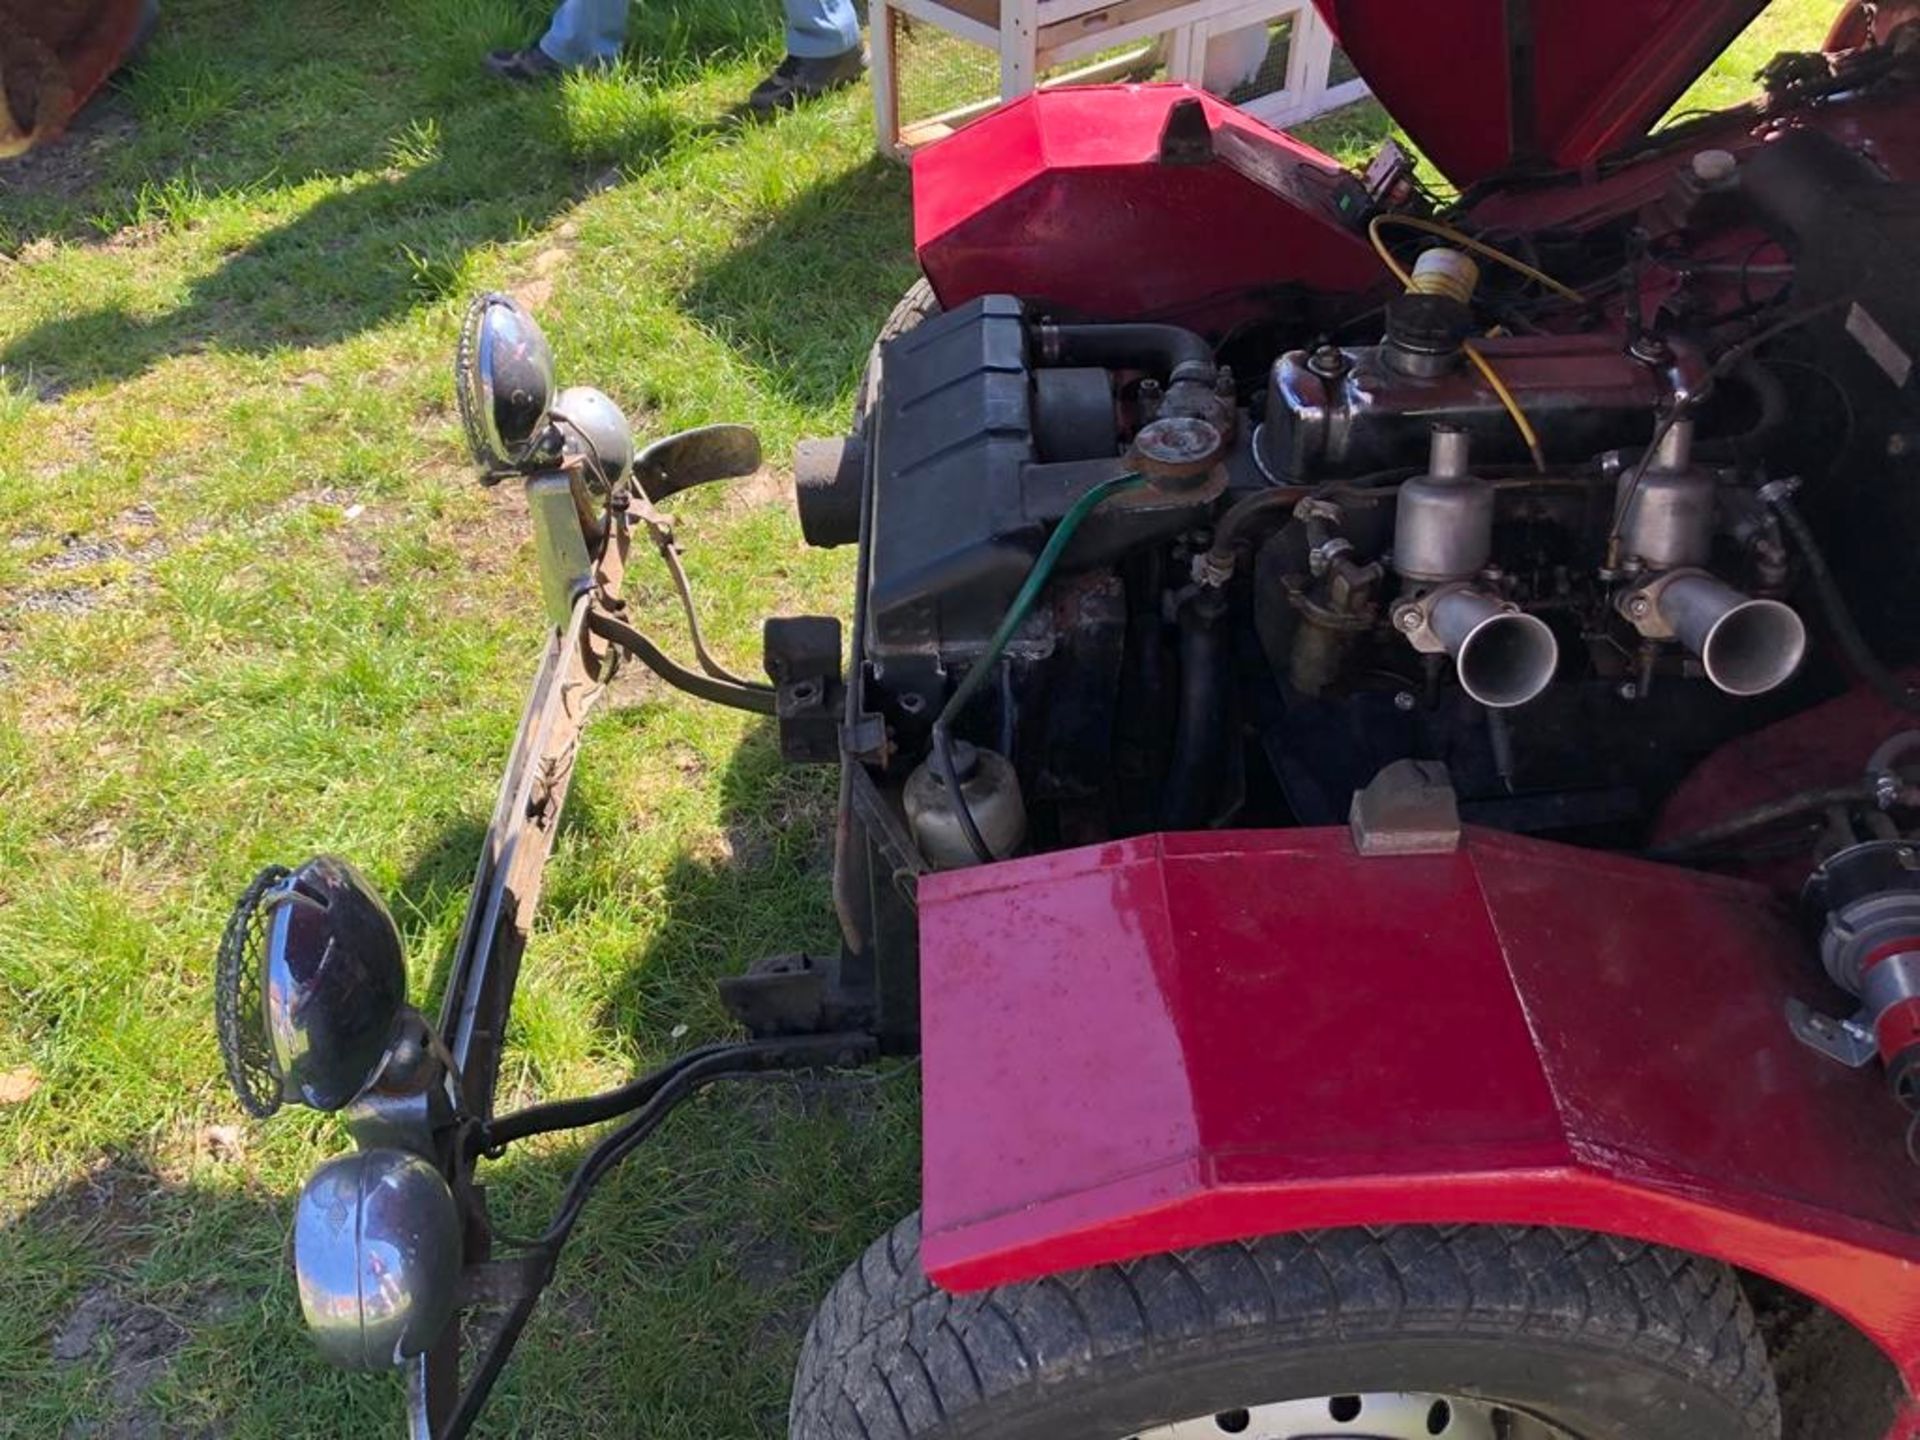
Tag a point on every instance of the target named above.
point(252, 606)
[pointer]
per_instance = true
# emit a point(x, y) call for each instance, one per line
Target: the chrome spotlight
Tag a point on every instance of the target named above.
point(311, 987)
point(597, 432)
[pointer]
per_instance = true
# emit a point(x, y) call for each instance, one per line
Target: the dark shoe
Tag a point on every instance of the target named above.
point(800, 79)
point(524, 67)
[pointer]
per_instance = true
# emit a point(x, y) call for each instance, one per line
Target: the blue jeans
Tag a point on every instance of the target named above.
point(587, 32)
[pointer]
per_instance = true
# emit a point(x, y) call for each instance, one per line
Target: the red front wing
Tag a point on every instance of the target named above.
point(1188, 1039)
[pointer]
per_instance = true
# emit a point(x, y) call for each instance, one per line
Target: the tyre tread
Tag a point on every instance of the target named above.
point(890, 1357)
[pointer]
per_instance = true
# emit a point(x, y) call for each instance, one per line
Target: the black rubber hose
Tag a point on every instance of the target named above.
point(1762, 817)
point(1115, 347)
point(1245, 518)
point(654, 1097)
point(1199, 738)
point(1771, 398)
point(1839, 619)
point(1241, 519)
point(494, 1136)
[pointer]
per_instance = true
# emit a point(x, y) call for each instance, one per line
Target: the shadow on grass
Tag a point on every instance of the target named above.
point(104, 1319)
point(425, 159)
point(802, 297)
point(348, 263)
point(156, 1288)
point(761, 885)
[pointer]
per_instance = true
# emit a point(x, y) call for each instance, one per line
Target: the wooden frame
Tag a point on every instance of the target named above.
point(1032, 36)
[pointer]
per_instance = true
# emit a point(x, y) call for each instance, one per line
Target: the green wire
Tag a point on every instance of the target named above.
point(1010, 623)
point(1030, 590)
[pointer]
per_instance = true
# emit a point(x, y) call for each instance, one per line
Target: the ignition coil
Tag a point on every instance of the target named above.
point(1866, 900)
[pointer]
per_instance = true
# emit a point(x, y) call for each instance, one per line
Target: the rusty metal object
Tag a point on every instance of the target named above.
point(54, 54)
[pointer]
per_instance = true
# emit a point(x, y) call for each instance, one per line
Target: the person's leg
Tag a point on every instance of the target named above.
point(586, 32)
point(823, 54)
point(819, 29)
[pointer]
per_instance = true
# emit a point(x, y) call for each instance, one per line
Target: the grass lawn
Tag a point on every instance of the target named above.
point(252, 606)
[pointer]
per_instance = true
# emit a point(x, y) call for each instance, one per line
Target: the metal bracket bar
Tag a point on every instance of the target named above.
point(523, 1278)
point(506, 882)
point(1849, 1041)
point(905, 863)
point(506, 889)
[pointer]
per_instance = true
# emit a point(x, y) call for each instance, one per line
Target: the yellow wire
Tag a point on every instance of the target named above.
point(1480, 361)
point(1478, 247)
point(1520, 421)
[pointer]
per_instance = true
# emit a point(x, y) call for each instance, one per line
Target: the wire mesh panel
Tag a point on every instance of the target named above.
point(1283, 68)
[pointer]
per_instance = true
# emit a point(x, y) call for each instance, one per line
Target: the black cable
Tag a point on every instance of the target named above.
point(1839, 619)
point(491, 1364)
point(703, 687)
point(950, 776)
point(696, 1073)
point(664, 1090)
point(670, 554)
point(495, 1135)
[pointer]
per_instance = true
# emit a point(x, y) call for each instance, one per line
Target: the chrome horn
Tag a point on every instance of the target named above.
point(376, 1253)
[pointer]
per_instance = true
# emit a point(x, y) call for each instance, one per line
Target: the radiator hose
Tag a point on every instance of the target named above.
point(1117, 347)
point(1839, 619)
point(1199, 737)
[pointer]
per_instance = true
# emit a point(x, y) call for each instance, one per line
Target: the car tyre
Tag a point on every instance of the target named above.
point(1573, 1333)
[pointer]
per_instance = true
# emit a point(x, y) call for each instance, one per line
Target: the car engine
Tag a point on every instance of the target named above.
point(1564, 536)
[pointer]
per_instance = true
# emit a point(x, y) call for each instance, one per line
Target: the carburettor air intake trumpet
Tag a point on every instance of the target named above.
point(1746, 646)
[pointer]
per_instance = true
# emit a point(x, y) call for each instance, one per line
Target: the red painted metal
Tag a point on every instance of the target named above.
point(1817, 749)
point(1185, 1039)
point(1601, 74)
point(1860, 22)
point(54, 54)
point(1885, 127)
point(1062, 198)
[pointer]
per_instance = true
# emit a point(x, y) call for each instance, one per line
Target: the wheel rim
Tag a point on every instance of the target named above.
point(1362, 1417)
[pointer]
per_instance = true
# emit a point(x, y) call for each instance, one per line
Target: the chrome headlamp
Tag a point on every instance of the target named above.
point(503, 380)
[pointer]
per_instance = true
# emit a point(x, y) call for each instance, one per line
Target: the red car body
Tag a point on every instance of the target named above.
point(1187, 1039)
point(54, 54)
